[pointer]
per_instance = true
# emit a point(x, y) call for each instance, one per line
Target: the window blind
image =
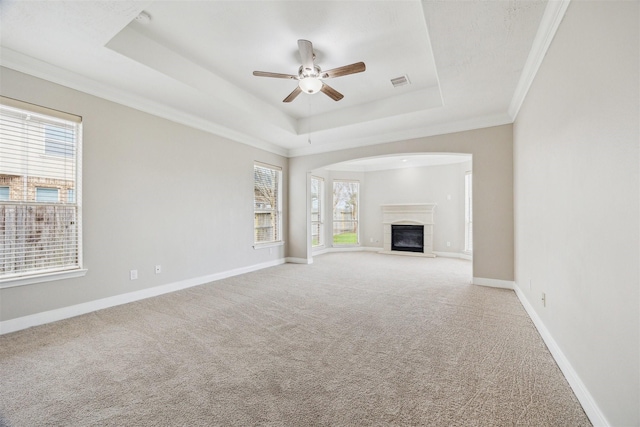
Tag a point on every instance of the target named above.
point(267, 203)
point(39, 167)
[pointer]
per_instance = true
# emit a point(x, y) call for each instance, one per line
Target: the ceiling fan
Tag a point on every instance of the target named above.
point(310, 76)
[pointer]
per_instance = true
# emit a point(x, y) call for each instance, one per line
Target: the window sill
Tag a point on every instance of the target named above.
point(41, 278)
point(267, 244)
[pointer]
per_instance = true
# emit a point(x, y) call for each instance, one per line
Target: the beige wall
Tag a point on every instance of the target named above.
point(492, 151)
point(154, 192)
point(576, 200)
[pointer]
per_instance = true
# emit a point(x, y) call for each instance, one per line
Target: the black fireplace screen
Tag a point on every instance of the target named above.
point(409, 238)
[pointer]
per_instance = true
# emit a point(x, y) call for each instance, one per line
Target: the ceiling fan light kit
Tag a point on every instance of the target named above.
point(310, 85)
point(310, 75)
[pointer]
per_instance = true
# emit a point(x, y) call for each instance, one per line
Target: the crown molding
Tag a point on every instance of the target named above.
point(421, 132)
point(551, 19)
point(40, 69)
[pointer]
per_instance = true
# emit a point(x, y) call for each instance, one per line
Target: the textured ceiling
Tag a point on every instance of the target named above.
point(193, 62)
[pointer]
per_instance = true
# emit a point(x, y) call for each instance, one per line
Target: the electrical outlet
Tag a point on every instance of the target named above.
point(133, 274)
point(158, 269)
point(448, 243)
point(544, 299)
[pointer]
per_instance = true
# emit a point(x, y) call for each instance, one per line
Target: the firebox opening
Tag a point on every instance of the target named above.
point(408, 238)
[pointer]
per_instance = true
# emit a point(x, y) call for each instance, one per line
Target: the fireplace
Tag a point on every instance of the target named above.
point(408, 229)
point(407, 238)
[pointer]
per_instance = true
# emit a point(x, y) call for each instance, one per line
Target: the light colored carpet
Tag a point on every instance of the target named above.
point(354, 339)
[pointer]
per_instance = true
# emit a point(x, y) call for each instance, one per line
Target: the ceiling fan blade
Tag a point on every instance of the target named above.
point(358, 67)
point(293, 94)
point(331, 92)
point(275, 75)
point(306, 54)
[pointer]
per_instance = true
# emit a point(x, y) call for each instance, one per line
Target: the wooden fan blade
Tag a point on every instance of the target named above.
point(358, 67)
point(293, 94)
point(331, 92)
point(306, 54)
point(275, 75)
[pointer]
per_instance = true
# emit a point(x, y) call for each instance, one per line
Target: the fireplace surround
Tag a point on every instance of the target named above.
point(419, 215)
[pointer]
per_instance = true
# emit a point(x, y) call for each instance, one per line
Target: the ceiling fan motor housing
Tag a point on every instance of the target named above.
point(309, 80)
point(305, 72)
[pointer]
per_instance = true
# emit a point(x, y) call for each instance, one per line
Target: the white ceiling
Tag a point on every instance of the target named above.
point(469, 63)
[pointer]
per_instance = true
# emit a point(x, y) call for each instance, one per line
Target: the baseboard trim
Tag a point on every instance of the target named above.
point(294, 260)
point(19, 323)
point(346, 249)
point(453, 255)
point(585, 398)
point(493, 283)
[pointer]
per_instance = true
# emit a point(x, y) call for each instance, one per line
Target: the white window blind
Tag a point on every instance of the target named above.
point(267, 203)
point(39, 162)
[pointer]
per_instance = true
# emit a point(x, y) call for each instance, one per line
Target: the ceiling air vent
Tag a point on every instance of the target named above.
point(400, 81)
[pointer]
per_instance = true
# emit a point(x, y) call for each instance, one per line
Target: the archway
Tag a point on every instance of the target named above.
point(492, 151)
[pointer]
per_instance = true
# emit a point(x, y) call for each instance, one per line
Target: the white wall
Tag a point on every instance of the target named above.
point(154, 192)
point(428, 184)
point(576, 187)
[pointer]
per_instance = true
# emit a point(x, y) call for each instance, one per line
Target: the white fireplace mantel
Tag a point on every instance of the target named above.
point(408, 214)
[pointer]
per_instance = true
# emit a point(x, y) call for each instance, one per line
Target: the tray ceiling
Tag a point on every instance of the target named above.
point(192, 62)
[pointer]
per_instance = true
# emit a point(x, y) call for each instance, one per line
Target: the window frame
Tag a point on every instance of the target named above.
point(278, 239)
point(76, 269)
point(320, 221)
point(468, 212)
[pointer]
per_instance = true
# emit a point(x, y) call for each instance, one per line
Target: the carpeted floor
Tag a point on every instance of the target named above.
point(354, 339)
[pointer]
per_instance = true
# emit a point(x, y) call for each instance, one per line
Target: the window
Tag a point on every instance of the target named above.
point(317, 214)
point(47, 195)
point(71, 196)
point(39, 230)
point(468, 212)
point(267, 203)
point(345, 212)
